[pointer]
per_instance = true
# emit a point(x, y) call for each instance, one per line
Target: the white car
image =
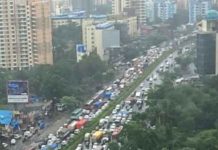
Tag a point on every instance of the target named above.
point(13, 141)
point(72, 135)
point(123, 121)
point(131, 110)
point(77, 131)
point(64, 142)
point(112, 128)
point(4, 145)
point(17, 136)
point(114, 111)
point(155, 77)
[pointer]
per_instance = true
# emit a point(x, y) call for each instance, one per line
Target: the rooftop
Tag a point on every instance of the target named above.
point(104, 25)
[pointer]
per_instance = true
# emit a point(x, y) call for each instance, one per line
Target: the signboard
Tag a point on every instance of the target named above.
point(80, 51)
point(18, 91)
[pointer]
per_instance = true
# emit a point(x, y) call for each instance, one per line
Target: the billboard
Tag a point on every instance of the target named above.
point(17, 91)
point(80, 51)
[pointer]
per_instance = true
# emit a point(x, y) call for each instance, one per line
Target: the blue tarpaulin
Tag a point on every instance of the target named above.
point(5, 117)
point(15, 124)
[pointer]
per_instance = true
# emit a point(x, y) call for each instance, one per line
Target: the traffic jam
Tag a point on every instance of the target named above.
point(110, 126)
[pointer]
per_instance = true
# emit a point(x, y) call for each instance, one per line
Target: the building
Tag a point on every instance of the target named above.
point(198, 9)
point(131, 22)
point(118, 6)
point(101, 2)
point(83, 5)
point(144, 9)
point(166, 9)
point(65, 19)
point(61, 6)
point(75, 17)
point(100, 38)
point(106, 38)
point(182, 4)
point(207, 44)
point(25, 34)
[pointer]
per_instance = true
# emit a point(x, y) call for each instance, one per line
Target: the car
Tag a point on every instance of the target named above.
point(95, 145)
point(105, 146)
point(64, 142)
point(28, 134)
point(79, 148)
point(123, 121)
point(72, 135)
point(77, 131)
point(118, 106)
point(17, 136)
point(13, 141)
point(131, 110)
point(127, 121)
point(155, 77)
point(114, 111)
point(112, 128)
point(5, 145)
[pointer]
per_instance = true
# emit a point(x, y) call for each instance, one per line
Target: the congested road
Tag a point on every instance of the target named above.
point(110, 126)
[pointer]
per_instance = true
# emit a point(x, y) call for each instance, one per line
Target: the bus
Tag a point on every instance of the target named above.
point(76, 114)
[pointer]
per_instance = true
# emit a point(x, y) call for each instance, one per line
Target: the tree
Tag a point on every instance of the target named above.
point(183, 117)
point(70, 102)
point(64, 41)
point(207, 139)
point(113, 146)
point(184, 62)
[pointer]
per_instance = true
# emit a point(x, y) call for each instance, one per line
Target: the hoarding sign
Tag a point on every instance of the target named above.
point(80, 51)
point(17, 91)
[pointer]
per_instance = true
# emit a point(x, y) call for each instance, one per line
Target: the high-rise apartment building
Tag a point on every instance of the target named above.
point(101, 2)
point(61, 7)
point(166, 9)
point(144, 9)
point(25, 34)
point(198, 9)
point(207, 44)
point(118, 6)
point(182, 4)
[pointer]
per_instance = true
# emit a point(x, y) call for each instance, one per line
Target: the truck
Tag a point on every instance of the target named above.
point(72, 125)
point(117, 132)
point(97, 135)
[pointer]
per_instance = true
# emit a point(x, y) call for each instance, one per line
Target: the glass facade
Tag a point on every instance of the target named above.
point(206, 47)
